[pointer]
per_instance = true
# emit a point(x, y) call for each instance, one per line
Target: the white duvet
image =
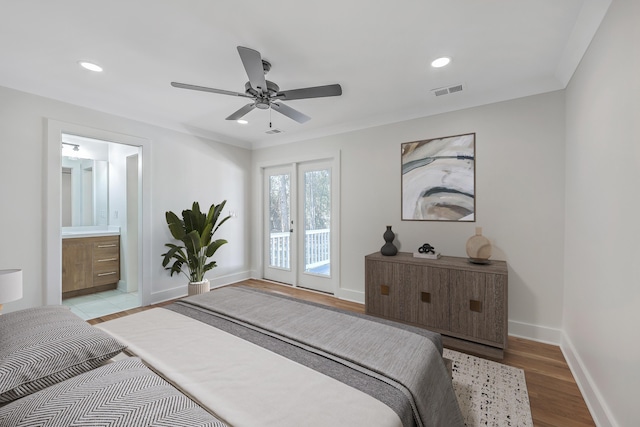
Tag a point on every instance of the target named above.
point(240, 382)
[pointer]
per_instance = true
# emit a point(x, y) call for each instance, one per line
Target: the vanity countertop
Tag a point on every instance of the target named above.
point(78, 232)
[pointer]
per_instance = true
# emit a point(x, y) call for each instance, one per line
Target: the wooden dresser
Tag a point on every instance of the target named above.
point(466, 303)
point(90, 264)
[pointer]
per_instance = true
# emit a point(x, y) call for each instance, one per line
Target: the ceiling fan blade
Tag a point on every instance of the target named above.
point(310, 92)
point(241, 112)
point(252, 62)
point(208, 89)
point(290, 112)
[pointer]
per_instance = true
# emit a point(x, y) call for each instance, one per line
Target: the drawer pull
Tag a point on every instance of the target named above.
point(107, 274)
point(113, 245)
point(107, 260)
point(384, 290)
point(475, 305)
point(425, 297)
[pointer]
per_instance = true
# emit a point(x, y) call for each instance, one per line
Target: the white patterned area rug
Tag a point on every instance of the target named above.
point(489, 393)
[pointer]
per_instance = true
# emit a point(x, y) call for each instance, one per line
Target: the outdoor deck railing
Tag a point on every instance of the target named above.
point(317, 248)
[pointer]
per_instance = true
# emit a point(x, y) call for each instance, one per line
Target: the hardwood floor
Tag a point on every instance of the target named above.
point(553, 393)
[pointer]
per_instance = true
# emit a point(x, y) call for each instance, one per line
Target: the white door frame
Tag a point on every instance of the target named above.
point(334, 158)
point(53, 237)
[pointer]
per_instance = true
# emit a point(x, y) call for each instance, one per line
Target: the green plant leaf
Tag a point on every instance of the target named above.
point(206, 234)
point(212, 210)
point(217, 210)
point(209, 266)
point(175, 268)
point(176, 226)
point(199, 219)
point(213, 246)
point(193, 244)
point(187, 217)
point(221, 222)
point(173, 252)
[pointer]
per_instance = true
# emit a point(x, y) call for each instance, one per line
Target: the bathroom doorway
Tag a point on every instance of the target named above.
point(110, 212)
point(100, 197)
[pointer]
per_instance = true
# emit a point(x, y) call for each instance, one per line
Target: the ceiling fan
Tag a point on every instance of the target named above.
point(266, 94)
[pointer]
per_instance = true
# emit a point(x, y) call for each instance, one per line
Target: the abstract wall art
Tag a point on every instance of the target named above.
point(438, 179)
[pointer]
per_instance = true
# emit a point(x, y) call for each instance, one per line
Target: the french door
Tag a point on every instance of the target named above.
point(300, 237)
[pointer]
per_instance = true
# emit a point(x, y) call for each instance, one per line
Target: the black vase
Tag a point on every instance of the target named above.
point(389, 248)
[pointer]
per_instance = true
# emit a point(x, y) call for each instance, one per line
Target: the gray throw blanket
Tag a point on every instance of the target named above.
point(399, 365)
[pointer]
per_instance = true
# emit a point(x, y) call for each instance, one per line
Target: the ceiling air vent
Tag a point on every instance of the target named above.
point(447, 90)
point(274, 131)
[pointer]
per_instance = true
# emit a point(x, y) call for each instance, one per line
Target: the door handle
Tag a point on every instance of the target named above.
point(291, 230)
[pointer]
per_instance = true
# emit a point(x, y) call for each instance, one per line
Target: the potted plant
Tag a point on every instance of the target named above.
point(195, 230)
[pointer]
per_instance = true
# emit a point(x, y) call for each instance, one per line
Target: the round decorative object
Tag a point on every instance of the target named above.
point(479, 248)
point(389, 248)
point(196, 288)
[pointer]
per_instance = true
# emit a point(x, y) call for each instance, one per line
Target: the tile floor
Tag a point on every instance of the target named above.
point(102, 303)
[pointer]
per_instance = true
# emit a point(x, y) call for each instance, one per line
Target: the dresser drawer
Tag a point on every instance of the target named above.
point(105, 255)
point(106, 260)
point(106, 273)
point(106, 247)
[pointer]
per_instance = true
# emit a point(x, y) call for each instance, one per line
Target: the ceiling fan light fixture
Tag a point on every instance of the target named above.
point(440, 62)
point(264, 93)
point(90, 66)
point(242, 121)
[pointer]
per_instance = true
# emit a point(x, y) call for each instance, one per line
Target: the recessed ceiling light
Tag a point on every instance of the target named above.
point(242, 122)
point(440, 62)
point(90, 66)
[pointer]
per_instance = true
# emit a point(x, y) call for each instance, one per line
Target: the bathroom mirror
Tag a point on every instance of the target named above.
point(85, 192)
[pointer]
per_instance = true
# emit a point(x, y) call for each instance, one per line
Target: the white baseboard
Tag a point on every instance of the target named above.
point(535, 332)
point(229, 278)
point(600, 412)
point(181, 291)
point(169, 294)
point(350, 295)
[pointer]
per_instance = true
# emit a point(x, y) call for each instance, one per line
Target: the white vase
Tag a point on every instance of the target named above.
point(479, 248)
point(196, 288)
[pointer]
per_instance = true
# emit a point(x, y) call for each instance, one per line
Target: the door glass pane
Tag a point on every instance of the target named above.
point(279, 221)
point(317, 222)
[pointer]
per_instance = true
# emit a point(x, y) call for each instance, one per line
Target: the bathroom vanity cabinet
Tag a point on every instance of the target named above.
point(90, 264)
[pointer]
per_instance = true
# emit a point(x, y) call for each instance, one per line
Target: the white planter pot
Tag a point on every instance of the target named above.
point(196, 288)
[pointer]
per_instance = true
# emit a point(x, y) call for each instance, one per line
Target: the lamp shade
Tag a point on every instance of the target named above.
point(10, 285)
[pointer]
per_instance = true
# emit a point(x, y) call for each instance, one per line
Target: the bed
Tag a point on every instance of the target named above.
point(253, 358)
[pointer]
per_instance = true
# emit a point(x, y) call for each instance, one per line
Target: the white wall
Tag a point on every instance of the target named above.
point(519, 188)
point(602, 272)
point(184, 168)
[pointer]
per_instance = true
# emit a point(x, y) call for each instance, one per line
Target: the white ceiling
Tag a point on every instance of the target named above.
point(378, 51)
